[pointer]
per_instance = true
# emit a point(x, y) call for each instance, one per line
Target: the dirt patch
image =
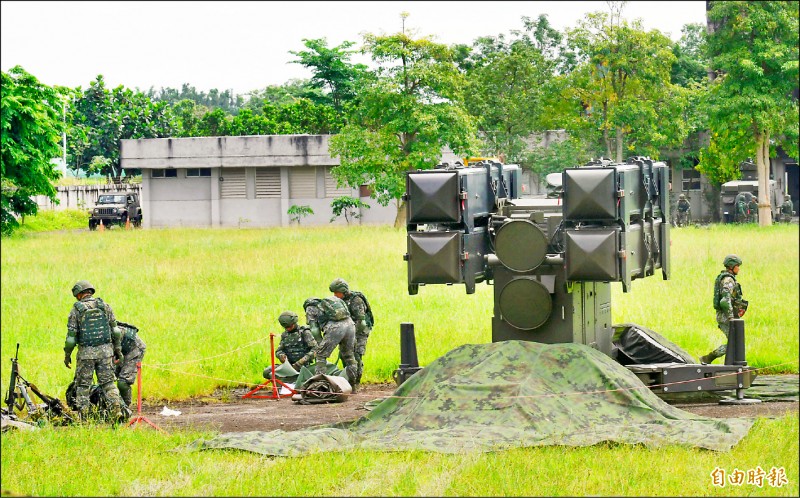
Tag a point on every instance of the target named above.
point(229, 412)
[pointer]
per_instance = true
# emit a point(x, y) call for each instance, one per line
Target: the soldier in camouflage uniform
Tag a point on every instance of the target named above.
point(728, 302)
point(752, 207)
point(92, 327)
point(741, 207)
point(787, 209)
point(297, 343)
point(331, 315)
point(683, 210)
point(133, 349)
point(361, 313)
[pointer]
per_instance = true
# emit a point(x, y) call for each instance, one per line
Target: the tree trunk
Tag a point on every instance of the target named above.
point(762, 167)
point(400, 218)
point(619, 144)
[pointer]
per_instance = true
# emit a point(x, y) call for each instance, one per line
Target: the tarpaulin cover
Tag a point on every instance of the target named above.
point(637, 345)
point(487, 397)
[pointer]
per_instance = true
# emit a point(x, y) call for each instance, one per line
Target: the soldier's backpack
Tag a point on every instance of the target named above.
point(370, 317)
point(718, 289)
point(333, 309)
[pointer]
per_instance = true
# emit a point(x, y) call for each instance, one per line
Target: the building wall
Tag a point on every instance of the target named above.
point(80, 196)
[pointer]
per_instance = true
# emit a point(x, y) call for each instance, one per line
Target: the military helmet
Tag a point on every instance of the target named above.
point(732, 260)
point(82, 286)
point(682, 196)
point(311, 301)
point(339, 285)
point(788, 197)
point(287, 319)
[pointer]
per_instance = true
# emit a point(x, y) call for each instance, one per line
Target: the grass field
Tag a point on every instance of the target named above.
point(206, 300)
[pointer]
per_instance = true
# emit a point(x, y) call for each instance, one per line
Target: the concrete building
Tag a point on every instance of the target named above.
point(240, 181)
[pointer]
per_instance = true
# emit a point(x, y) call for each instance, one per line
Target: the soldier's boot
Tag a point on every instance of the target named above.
point(118, 414)
point(708, 358)
point(84, 414)
point(351, 373)
point(125, 392)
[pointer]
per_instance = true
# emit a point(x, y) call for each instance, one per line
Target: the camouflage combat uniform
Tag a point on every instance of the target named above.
point(752, 215)
point(133, 347)
point(298, 346)
point(358, 312)
point(741, 208)
point(787, 208)
point(341, 333)
point(96, 344)
point(683, 211)
point(730, 303)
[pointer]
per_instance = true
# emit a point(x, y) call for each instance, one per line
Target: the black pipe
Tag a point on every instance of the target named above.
point(408, 346)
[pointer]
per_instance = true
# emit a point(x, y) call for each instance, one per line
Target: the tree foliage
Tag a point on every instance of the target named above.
point(31, 136)
point(405, 116)
point(333, 73)
point(622, 80)
point(507, 84)
point(754, 52)
point(100, 118)
point(348, 207)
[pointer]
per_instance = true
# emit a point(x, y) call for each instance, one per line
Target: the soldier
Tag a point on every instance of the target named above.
point(728, 302)
point(752, 207)
point(338, 329)
point(133, 348)
point(361, 313)
point(741, 207)
point(683, 210)
point(297, 344)
point(92, 327)
point(787, 208)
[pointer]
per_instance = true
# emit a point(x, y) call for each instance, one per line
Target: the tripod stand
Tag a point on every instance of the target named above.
point(139, 417)
point(271, 381)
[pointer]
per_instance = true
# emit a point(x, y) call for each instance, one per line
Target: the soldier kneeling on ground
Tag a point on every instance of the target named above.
point(296, 347)
point(133, 348)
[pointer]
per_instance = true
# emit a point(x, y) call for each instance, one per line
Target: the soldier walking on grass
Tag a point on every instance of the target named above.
point(684, 208)
point(133, 349)
point(728, 302)
point(92, 327)
point(361, 313)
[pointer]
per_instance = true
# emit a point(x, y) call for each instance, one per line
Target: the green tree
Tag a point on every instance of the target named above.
point(284, 94)
point(333, 73)
point(405, 116)
point(100, 118)
point(31, 138)
point(754, 52)
point(691, 56)
point(622, 80)
point(507, 82)
point(348, 207)
point(296, 213)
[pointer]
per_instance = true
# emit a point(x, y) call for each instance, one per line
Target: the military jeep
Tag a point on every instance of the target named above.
point(116, 208)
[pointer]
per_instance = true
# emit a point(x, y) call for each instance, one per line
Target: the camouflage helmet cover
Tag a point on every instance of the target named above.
point(732, 260)
point(339, 285)
point(311, 301)
point(788, 197)
point(682, 196)
point(287, 318)
point(82, 286)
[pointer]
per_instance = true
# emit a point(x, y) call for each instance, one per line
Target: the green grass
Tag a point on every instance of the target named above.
point(47, 221)
point(143, 462)
point(197, 294)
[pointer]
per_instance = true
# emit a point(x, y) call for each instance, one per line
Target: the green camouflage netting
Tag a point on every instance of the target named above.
point(487, 397)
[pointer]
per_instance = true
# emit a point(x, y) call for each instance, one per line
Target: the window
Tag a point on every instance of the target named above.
point(164, 173)
point(268, 183)
point(331, 188)
point(303, 183)
point(233, 184)
point(691, 179)
point(197, 172)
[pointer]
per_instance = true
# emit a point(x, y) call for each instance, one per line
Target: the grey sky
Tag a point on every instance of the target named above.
point(245, 45)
